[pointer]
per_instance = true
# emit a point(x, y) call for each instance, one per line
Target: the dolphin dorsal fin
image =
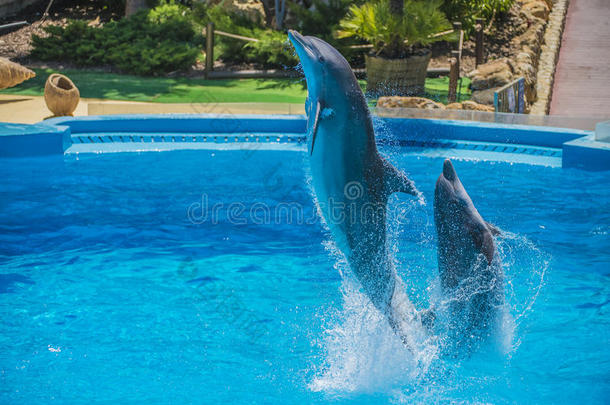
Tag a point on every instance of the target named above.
point(396, 181)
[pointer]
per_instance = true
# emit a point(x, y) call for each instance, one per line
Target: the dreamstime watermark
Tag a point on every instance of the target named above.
point(351, 207)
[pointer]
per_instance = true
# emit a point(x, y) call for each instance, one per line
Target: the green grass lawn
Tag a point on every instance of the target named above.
point(112, 86)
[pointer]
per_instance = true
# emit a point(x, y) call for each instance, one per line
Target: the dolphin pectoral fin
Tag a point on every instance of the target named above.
point(320, 113)
point(396, 181)
point(316, 123)
point(495, 231)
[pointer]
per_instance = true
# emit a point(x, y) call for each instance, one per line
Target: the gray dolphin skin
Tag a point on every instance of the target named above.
point(469, 269)
point(351, 181)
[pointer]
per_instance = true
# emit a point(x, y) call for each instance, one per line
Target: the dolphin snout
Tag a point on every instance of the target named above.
point(296, 38)
point(449, 170)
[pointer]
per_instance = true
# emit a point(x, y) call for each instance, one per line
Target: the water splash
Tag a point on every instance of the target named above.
point(362, 354)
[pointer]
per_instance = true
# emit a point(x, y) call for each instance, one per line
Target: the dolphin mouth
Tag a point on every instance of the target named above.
point(308, 58)
point(300, 43)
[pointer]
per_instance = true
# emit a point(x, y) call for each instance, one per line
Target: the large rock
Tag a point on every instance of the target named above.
point(525, 66)
point(409, 102)
point(495, 73)
point(253, 10)
point(474, 106)
point(531, 38)
point(536, 8)
point(11, 73)
point(470, 106)
point(484, 96)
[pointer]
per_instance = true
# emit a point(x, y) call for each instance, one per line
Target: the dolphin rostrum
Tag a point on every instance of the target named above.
point(469, 269)
point(351, 181)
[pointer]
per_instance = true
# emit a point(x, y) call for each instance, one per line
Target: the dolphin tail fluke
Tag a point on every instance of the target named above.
point(396, 181)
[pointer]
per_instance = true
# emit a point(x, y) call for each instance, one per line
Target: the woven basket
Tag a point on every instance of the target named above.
point(61, 95)
point(397, 77)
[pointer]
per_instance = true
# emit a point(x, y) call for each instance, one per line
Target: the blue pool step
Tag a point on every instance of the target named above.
point(143, 137)
point(482, 146)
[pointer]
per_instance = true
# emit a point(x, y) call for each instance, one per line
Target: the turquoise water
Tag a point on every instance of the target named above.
point(179, 277)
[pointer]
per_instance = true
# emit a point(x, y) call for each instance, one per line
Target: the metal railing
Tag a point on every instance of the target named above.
point(511, 97)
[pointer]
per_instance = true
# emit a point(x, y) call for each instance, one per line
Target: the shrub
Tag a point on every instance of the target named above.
point(148, 43)
point(466, 11)
point(322, 18)
point(272, 50)
point(387, 32)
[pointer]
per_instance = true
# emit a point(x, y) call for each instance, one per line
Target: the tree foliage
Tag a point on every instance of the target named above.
point(466, 11)
point(375, 23)
point(147, 43)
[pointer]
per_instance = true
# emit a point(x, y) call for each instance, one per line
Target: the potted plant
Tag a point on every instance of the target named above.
point(400, 32)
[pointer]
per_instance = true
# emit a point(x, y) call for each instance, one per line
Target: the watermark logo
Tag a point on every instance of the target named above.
point(351, 208)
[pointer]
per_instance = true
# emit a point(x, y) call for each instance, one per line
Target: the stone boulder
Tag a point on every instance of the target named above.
point(409, 102)
point(531, 38)
point(495, 73)
point(484, 96)
point(536, 8)
point(525, 66)
point(470, 105)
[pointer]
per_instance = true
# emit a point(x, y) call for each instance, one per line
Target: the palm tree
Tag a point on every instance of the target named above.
point(397, 8)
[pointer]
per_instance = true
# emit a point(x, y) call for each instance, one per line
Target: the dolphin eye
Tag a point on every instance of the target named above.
point(321, 58)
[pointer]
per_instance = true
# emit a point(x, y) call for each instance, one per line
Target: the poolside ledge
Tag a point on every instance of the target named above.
point(19, 140)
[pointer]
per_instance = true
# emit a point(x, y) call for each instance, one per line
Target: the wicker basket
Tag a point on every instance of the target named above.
point(397, 77)
point(61, 95)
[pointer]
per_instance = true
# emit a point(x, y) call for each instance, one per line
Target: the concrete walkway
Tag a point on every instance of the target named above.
point(31, 109)
point(28, 109)
point(582, 77)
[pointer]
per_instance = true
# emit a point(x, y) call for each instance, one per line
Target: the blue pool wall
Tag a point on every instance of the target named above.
point(22, 140)
point(579, 148)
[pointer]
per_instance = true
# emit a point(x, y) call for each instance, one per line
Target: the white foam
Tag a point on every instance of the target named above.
point(363, 354)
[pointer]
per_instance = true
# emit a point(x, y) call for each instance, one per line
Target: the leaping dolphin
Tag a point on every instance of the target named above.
point(469, 269)
point(351, 181)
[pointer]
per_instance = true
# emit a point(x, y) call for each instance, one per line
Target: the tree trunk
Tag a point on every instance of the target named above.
point(133, 6)
point(280, 12)
point(268, 7)
point(395, 47)
point(397, 6)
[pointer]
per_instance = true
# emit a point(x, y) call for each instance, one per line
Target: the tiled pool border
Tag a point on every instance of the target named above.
point(576, 148)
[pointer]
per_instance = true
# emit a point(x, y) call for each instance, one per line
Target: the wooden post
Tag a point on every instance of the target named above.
point(454, 75)
point(479, 41)
point(456, 56)
point(457, 28)
point(209, 49)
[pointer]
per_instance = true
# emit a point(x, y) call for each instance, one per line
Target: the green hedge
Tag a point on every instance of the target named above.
point(147, 43)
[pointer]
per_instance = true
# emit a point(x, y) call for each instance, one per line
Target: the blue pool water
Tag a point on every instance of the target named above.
point(181, 277)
